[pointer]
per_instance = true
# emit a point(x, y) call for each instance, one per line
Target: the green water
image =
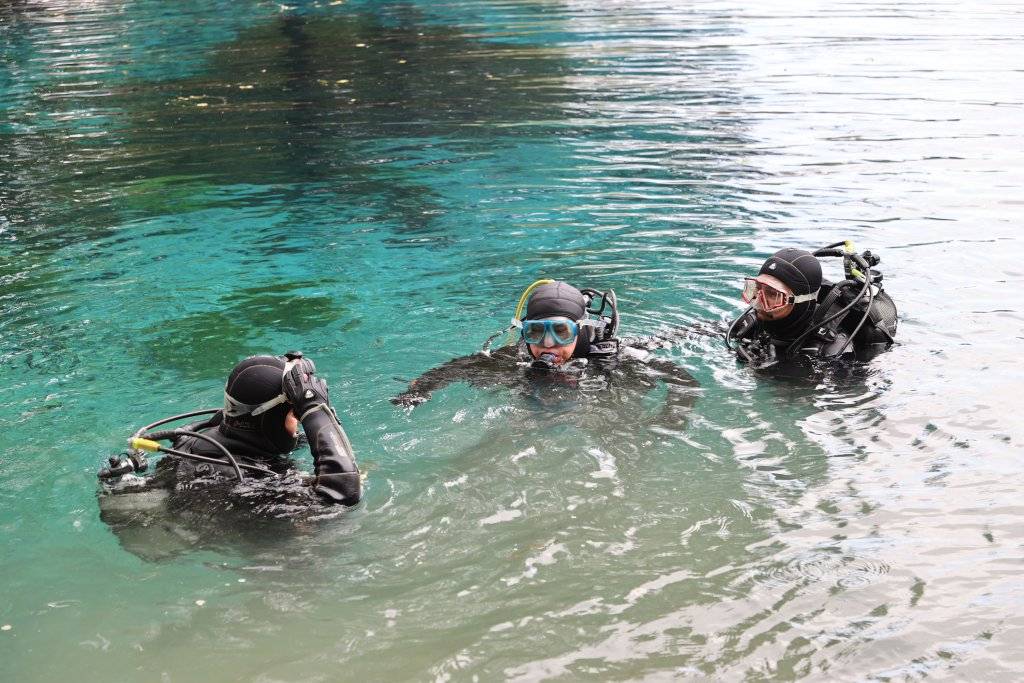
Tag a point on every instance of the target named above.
point(182, 185)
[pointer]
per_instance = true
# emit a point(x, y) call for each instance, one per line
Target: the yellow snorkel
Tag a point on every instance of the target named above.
point(486, 350)
point(519, 308)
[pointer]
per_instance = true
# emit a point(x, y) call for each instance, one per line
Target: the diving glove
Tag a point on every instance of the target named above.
point(303, 389)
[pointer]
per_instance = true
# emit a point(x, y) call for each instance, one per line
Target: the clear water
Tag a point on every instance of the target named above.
point(183, 184)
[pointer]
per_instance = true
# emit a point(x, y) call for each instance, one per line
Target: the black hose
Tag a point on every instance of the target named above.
point(794, 345)
point(615, 312)
point(143, 432)
point(204, 437)
point(172, 433)
point(864, 318)
point(728, 333)
point(486, 348)
point(212, 461)
point(173, 418)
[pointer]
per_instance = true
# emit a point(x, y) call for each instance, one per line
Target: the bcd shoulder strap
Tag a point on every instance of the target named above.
point(833, 301)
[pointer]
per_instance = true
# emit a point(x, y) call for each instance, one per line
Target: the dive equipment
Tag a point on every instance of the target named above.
point(611, 321)
point(602, 327)
point(860, 275)
point(143, 440)
point(766, 298)
point(850, 258)
point(562, 331)
point(546, 361)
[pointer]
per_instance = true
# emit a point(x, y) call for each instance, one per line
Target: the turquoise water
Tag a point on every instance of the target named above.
point(185, 184)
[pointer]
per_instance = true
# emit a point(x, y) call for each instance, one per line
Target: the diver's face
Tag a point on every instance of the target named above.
point(291, 423)
point(561, 352)
point(769, 283)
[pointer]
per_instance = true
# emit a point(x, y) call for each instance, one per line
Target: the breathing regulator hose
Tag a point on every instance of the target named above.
point(864, 273)
point(145, 440)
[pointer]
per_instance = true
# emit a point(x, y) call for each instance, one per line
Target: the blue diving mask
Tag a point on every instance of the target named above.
point(562, 331)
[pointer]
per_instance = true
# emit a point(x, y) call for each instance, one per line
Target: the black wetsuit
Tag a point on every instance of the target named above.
point(332, 453)
point(608, 362)
point(762, 343)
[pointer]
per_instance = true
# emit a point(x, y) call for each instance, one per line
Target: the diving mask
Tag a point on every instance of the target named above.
point(562, 331)
point(764, 297)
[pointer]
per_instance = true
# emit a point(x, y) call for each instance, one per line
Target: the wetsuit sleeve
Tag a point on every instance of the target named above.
point(334, 463)
point(464, 369)
point(337, 475)
point(682, 390)
point(666, 339)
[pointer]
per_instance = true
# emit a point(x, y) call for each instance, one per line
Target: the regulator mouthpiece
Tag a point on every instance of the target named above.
point(546, 361)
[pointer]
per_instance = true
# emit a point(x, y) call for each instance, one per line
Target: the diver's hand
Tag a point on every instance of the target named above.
point(410, 399)
point(303, 389)
point(343, 488)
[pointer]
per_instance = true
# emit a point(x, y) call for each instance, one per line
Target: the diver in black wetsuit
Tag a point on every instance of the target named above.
point(794, 311)
point(265, 399)
point(563, 340)
point(193, 499)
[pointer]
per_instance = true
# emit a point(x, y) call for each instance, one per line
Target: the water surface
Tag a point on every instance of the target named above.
point(375, 182)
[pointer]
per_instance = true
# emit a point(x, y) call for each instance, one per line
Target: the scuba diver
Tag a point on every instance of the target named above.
point(567, 337)
point(794, 311)
point(265, 399)
point(193, 497)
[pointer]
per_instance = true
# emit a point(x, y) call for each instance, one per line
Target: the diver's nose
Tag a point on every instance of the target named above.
point(549, 341)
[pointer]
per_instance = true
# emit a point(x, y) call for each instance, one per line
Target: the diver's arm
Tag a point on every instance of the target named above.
point(337, 475)
point(463, 369)
point(334, 463)
point(682, 389)
point(666, 339)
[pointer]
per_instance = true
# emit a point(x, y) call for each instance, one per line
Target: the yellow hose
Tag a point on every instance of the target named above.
point(144, 444)
point(848, 248)
point(522, 302)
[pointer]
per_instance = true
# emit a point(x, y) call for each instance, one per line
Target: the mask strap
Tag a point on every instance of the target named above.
point(235, 408)
point(806, 297)
point(583, 322)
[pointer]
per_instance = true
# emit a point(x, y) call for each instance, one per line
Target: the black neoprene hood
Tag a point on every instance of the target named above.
point(799, 269)
point(554, 300)
point(253, 381)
